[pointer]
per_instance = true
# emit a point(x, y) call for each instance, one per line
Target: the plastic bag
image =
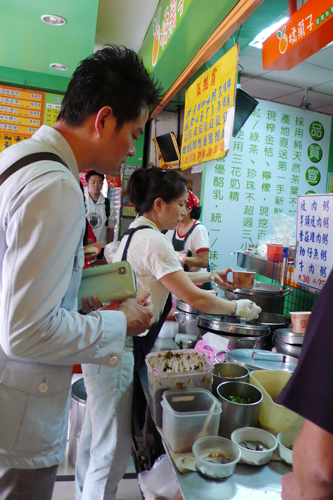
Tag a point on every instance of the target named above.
point(110, 251)
point(282, 225)
point(211, 343)
point(160, 481)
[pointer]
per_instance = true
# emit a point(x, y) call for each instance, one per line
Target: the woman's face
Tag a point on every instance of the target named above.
point(172, 213)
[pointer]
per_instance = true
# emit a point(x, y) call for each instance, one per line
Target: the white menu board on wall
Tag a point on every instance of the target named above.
point(314, 233)
point(280, 153)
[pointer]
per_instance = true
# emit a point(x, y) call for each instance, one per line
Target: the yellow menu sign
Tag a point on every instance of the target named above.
point(209, 112)
point(21, 111)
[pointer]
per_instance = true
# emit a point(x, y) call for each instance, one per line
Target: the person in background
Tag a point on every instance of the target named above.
point(89, 236)
point(159, 197)
point(104, 110)
point(99, 210)
point(309, 393)
point(190, 238)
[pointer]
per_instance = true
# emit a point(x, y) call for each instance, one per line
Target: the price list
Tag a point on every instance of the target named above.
point(52, 108)
point(21, 111)
point(314, 235)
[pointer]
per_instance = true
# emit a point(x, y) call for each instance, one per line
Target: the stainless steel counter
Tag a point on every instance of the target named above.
point(247, 483)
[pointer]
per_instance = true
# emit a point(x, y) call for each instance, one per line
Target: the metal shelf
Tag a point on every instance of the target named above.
point(259, 265)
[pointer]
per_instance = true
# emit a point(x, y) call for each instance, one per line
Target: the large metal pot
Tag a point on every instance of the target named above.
point(186, 317)
point(76, 417)
point(287, 342)
point(267, 296)
point(239, 334)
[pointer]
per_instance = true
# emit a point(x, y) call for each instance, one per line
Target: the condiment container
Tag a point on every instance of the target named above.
point(175, 370)
point(286, 441)
point(299, 321)
point(274, 417)
point(224, 372)
point(238, 414)
point(274, 252)
point(246, 437)
point(215, 446)
point(185, 414)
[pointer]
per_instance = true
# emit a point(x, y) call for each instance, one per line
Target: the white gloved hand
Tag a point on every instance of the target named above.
point(247, 309)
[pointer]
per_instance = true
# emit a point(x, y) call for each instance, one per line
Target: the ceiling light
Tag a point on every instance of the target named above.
point(264, 34)
point(61, 67)
point(53, 20)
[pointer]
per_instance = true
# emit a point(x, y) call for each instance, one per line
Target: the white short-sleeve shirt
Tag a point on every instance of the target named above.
point(152, 256)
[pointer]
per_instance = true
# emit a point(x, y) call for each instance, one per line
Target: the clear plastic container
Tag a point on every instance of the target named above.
point(272, 416)
point(204, 448)
point(175, 370)
point(185, 417)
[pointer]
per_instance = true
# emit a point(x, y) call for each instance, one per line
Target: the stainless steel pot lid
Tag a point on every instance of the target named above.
point(261, 289)
point(272, 319)
point(258, 359)
point(288, 337)
point(182, 306)
point(219, 324)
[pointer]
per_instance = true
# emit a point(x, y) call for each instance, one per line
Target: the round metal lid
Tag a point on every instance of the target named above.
point(236, 327)
point(288, 337)
point(258, 359)
point(272, 319)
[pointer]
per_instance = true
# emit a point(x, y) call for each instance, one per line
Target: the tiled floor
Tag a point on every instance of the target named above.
point(64, 487)
point(128, 490)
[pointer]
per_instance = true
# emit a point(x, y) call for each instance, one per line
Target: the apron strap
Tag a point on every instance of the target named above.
point(143, 345)
point(130, 233)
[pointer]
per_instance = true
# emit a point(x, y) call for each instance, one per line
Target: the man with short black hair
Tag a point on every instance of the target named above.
point(42, 224)
point(99, 210)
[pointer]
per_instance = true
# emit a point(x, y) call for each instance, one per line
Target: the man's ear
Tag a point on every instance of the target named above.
point(103, 117)
point(158, 203)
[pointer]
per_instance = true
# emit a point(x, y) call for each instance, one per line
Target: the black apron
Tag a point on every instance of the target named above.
point(142, 347)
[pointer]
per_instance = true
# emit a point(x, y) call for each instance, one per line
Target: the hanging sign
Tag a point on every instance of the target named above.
point(314, 236)
point(304, 34)
point(209, 112)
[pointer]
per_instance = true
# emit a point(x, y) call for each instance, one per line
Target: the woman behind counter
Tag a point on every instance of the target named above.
point(191, 237)
point(104, 449)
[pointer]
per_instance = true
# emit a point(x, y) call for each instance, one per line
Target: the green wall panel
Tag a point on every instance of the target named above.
point(29, 79)
point(197, 25)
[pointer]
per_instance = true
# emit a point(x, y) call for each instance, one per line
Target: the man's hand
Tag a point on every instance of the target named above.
point(138, 317)
point(290, 490)
point(95, 304)
point(138, 312)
